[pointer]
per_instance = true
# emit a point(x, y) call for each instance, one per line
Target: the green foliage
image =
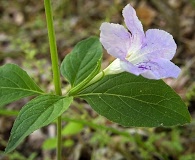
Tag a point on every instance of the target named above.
point(18, 156)
point(187, 157)
point(15, 84)
point(83, 62)
point(50, 143)
point(37, 113)
point(6, 112)
point(135, 101)
point(68, 143)
point(72, 128)
point(97, 138)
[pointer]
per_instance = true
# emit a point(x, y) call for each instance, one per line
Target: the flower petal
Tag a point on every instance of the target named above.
point(132, 22)
point(115, 39)
point(135, 45)
point(159, 44)
point(129, 67)
point(153, 69)
point(159, 68)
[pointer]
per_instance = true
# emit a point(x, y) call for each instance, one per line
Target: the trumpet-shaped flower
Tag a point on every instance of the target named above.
point(148, 54)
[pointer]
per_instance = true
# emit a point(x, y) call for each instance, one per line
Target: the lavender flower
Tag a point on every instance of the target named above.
point(148, 54)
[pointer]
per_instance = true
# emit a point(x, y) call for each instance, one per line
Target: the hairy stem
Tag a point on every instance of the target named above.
point(55, 67)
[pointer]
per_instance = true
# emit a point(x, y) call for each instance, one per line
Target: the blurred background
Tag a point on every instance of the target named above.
point(86, 135)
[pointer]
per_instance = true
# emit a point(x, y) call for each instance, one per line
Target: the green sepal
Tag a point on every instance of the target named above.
point(82, 85)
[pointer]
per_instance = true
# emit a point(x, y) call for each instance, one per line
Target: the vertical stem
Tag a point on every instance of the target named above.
point(53, 48)
point(55, 67)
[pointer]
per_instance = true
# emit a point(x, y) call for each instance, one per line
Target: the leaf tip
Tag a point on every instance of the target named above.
point(7, 150)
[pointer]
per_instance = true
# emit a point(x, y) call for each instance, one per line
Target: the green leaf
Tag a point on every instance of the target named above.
point(135, 101)
point(82, 61)
point(68, 143)
point(72, 128)
point(39, 112)
point(15, 84)
point(50, 143)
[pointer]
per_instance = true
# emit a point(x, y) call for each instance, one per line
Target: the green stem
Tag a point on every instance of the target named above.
point(55, 67)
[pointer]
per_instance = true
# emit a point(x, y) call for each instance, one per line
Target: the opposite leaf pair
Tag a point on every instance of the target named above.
point(122, 98)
